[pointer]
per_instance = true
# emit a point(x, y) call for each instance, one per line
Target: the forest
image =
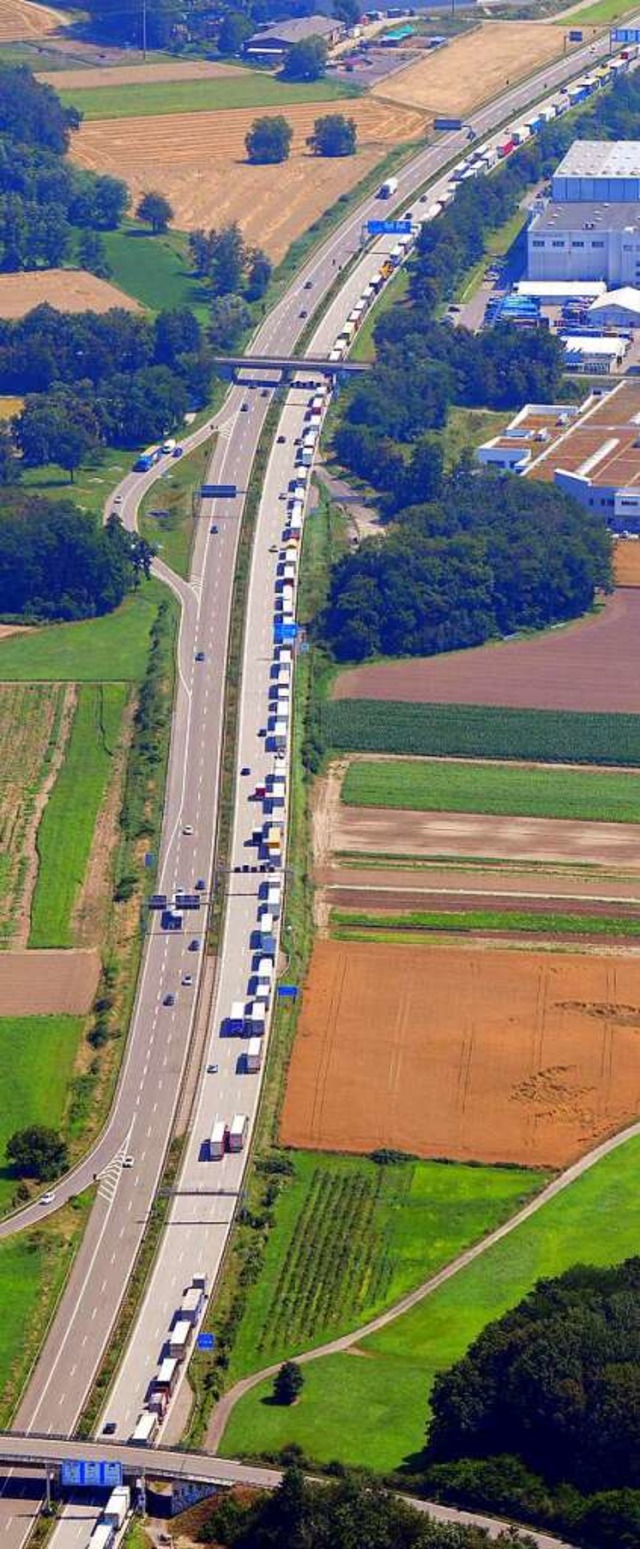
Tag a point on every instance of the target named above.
point(542, 1415)
point(55, 564)
point(43, 199)
point(482, 558)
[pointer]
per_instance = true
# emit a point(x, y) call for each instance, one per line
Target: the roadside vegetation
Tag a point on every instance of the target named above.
point(480, 731)
point(470, 787)
point(169, 512)
point(31, 729)
point(33, 1270)
point(66, 830)
point(372, 1411)
point(109, 649)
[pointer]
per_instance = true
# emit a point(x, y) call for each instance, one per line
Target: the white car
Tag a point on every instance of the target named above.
point(187, 828)
point(128, 1161)
point(187, 978)
point(48, 1198)
point(117, 500)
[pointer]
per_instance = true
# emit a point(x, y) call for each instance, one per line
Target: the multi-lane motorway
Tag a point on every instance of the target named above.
point(160, 1035)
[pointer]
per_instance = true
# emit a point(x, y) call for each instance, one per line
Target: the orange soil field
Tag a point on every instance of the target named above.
point(36, 984)
point(626, 562)
point(138, 75)
point(199, 162)
point(21, 21)
point(474, 67)
point(490, 1055)
point(70, 290)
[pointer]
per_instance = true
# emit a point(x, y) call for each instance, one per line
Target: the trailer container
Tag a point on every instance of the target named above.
point(201, 1281)
point(444, 123)
point(118, 1504)
point(145, 1428)
point(179, 1339)
point(167, 1374)
point(280, 734)
point(388, 188)
point(192, 1304)
point(505, 147)
point(103, 1535)
point(217, 1140)
point(274, 899)
point(254, 1055)
point(256, 1018)
point(238, 1131)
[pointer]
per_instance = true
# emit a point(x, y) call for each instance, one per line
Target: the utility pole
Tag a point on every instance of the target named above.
point(144, 29)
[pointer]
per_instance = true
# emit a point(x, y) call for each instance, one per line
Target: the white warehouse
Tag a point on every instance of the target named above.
point(590, 228)
point(595, 170)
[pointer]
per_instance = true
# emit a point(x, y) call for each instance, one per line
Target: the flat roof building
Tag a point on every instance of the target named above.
point(598, 169)
point(593, 453)
point(574, 241)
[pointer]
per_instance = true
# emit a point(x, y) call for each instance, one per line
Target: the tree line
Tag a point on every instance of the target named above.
point(541, 1416)
point(481, 559)
point(43, 199)
point(354, 1512)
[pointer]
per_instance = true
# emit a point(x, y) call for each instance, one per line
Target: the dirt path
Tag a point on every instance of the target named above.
point(347, 1341)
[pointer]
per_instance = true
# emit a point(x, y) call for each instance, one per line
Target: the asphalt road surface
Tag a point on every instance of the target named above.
point(144, 1109)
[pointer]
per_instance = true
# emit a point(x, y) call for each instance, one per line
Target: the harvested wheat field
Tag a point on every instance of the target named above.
point(381, 831)
point(474, 67)
point(626, 562)
point(490, 1055)
point(582, 667)
point(34, 984)
point(22, 21)
point(70, 290)
point(199, 162)
point(138, 75)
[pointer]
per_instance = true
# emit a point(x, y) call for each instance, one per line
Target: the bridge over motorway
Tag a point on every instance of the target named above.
point(31, 1450)
point(311, 364)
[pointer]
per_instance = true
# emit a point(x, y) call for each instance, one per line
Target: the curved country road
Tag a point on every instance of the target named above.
point(336, 1346)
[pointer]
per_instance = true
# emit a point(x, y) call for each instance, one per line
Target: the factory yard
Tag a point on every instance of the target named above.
point(70, 290)
point(488, 1055)
point(199, 161)
point(473, 67)
point(21, 22)
point(36, 984)
point(582, 666)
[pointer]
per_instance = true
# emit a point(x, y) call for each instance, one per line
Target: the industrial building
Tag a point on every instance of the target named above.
point(617, 308)
point(592, 452)
point(590, 228)
point(274, 42)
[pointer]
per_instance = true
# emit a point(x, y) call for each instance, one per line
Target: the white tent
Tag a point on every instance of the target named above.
point(619, 307)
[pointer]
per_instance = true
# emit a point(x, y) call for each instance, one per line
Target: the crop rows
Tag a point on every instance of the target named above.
point(456, 786)
point(30, 719)
point(548, 736)
point(337, 1231)
point(387, 927)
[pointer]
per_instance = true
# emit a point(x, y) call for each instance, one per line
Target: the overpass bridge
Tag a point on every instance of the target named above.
point(312, 365)
point(27, 1450)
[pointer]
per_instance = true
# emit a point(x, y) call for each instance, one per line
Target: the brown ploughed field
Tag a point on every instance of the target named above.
point(380, 831)
point(474, 66)
point(199, 162)
point(34, 984)
point(588, 665)
point(22, 22)
point(490, 1055)
point(70, 290)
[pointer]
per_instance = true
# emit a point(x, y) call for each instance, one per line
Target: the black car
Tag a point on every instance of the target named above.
point(281, 440)
point(200, 656)
point(213, 528)
point(244, 408)
point(169, 1000)
point(110, 1428)
point(245, 770)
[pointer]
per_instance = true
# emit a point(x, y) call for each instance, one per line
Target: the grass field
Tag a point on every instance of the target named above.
point(252, 90)
point(30, 721)
point(372, 1410)
point(598, 15)
point(547, 736)
point(155, 270)
point(103, 650)
point(469, 427)
point(91, 485)
point(387, 1227)
point(393, 293)
point(66, 831)
point(348, 925)
point(172, 534)
point(36, 1061)
point(495, 788)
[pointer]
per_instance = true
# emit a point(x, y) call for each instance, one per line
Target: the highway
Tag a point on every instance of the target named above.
point(145, 1106)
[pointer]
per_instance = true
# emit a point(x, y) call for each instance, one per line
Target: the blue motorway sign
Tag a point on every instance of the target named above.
point(625, 35)
point(389, 228)
point(288, 991)
point(77, 1474)
point(206, 1341)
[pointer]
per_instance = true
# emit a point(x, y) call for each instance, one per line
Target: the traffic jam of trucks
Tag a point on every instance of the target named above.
point(248, 1018)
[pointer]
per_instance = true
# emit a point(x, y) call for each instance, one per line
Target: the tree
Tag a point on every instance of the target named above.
point(347, 11)
point(229, 317)
point(259, 275)
point(37, 1152)
point(306, 61)
point(156, 211)
point(9, 465)
point(288, 1383)
point(334, 135)
point(269, 140)
point(92, 255)
point(235, 28)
